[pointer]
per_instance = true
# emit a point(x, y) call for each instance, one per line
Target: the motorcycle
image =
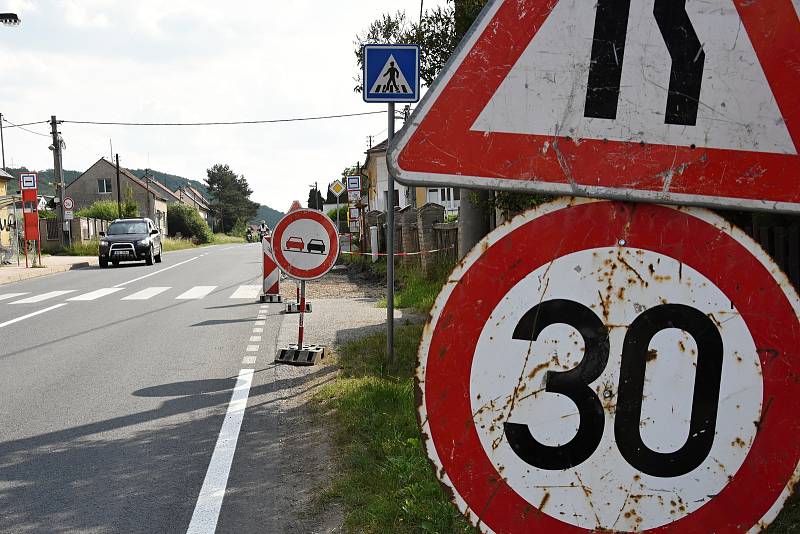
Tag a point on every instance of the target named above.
point(249, 236)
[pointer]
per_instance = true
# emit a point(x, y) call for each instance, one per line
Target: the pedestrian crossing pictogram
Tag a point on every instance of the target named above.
point(392, 79)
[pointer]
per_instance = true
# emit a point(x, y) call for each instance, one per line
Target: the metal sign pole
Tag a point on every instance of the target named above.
point(15, 244)
point(302, 314)
point(337, 213)
point(390, 252)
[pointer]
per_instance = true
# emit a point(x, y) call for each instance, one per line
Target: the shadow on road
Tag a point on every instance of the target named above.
point(88, 478)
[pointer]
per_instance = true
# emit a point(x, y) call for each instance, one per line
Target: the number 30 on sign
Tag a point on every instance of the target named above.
point(630, 368)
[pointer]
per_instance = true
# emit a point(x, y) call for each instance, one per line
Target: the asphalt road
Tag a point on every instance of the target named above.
point(114, 389)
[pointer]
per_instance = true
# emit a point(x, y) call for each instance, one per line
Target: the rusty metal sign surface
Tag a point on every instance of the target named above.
point(599, 365)
point(667, 101)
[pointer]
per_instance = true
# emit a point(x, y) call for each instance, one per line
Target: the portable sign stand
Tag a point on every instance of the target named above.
point(305, 246)
point(633, 375)
point(391, 75)
point(271, 276)
point(28, 184)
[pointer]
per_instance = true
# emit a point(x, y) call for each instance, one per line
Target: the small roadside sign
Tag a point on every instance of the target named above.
point(295, 206)
point(353, 196)
point(354, 183)
point(391, 73)
point(69, 204)
point(305, 244)
point(68, 214)
point(28, 181)
point(685, 103)
point(609, 361)
point(337, 188)
point(354, 214)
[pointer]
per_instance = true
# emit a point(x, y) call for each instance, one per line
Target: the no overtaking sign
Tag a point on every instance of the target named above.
point(633, 375)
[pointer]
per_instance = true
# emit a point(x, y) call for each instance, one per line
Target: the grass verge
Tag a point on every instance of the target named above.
point(386, 482)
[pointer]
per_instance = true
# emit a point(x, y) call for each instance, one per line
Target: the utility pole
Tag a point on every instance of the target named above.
point(119, 192)
point(147, 186)
point(57, 147)
point(2, 142)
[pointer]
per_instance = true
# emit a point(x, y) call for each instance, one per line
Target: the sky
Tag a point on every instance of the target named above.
point(190, 61)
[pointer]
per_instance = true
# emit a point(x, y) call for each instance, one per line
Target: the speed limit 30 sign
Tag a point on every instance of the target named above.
point(628, 368)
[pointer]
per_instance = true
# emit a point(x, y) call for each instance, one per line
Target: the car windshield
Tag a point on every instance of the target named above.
point(122, 228)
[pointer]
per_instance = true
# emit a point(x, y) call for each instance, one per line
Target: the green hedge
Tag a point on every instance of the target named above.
point(107, 210)
point(185, 220)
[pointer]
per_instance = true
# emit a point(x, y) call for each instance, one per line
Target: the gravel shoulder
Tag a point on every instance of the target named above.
point(344, 308)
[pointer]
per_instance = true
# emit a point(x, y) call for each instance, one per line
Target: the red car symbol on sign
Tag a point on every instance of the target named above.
point(295, 243)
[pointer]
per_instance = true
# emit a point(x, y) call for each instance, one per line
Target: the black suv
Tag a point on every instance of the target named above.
point(130, 240)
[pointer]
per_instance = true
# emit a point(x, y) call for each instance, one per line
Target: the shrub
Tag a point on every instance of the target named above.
point(185, 220)
point(107, 210)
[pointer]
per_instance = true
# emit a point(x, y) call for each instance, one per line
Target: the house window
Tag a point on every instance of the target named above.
point(103, 185)
point(456, 193)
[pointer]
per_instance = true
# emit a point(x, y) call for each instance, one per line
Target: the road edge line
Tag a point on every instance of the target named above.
point(209, 502)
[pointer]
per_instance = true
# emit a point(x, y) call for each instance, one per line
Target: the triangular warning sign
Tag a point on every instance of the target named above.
point(656, 101)
point(391, 79)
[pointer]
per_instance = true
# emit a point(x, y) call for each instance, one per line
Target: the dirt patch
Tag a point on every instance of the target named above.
point(341, 282)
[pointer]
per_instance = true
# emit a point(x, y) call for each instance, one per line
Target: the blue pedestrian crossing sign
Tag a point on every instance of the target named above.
point(391, 73)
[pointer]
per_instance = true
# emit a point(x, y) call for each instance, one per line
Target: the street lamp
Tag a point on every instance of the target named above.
point(9, 19)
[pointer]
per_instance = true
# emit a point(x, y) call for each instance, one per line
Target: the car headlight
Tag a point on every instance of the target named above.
point(103, 243)
point(144, 242)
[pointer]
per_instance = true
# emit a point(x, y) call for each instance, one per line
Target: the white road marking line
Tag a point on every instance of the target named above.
point(249, 360)
point(258, 330)
point(155, 273)
point(96, 294)
point(260, 323)
point(255, 339)
point(7, 296)
point(209, 502)
point(145, 294)
point(259, 316)
point(34, 314)
point(252, 348)
point(246, 292)
point(197, 292)
point(43, 296)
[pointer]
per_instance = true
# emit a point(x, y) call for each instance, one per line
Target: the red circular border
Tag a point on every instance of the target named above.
point(283, 262)
point(766, 310)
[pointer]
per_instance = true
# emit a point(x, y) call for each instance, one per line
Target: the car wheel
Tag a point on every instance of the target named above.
point(149, 259)
point(158, 256)
point(115, 263)
point(103, 264)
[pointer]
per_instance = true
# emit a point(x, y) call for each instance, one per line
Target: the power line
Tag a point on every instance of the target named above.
point(224, 123)
point(21, 126)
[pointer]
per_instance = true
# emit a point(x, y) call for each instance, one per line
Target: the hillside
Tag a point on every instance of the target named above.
point(265, 213)
point(173, 182)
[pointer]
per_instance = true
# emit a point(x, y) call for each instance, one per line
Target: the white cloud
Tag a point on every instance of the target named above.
point(86, 13)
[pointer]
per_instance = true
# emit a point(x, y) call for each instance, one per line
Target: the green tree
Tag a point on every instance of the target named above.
point(186, 221)
point(315, 203)
point(230, 196)
point(435, 32)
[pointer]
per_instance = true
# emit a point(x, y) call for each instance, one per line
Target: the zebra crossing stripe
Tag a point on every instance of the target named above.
point(145, 294)
point(43, 296)
point(197, 292)
point(96, 294)
point(7, 296)
point(246, 292)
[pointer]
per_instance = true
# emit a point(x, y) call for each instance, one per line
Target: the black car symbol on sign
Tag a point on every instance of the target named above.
point(316, 245)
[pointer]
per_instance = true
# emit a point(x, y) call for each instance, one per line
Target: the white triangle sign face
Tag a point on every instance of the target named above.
point(555, 70)
point(686, 102)
point(391, 79)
